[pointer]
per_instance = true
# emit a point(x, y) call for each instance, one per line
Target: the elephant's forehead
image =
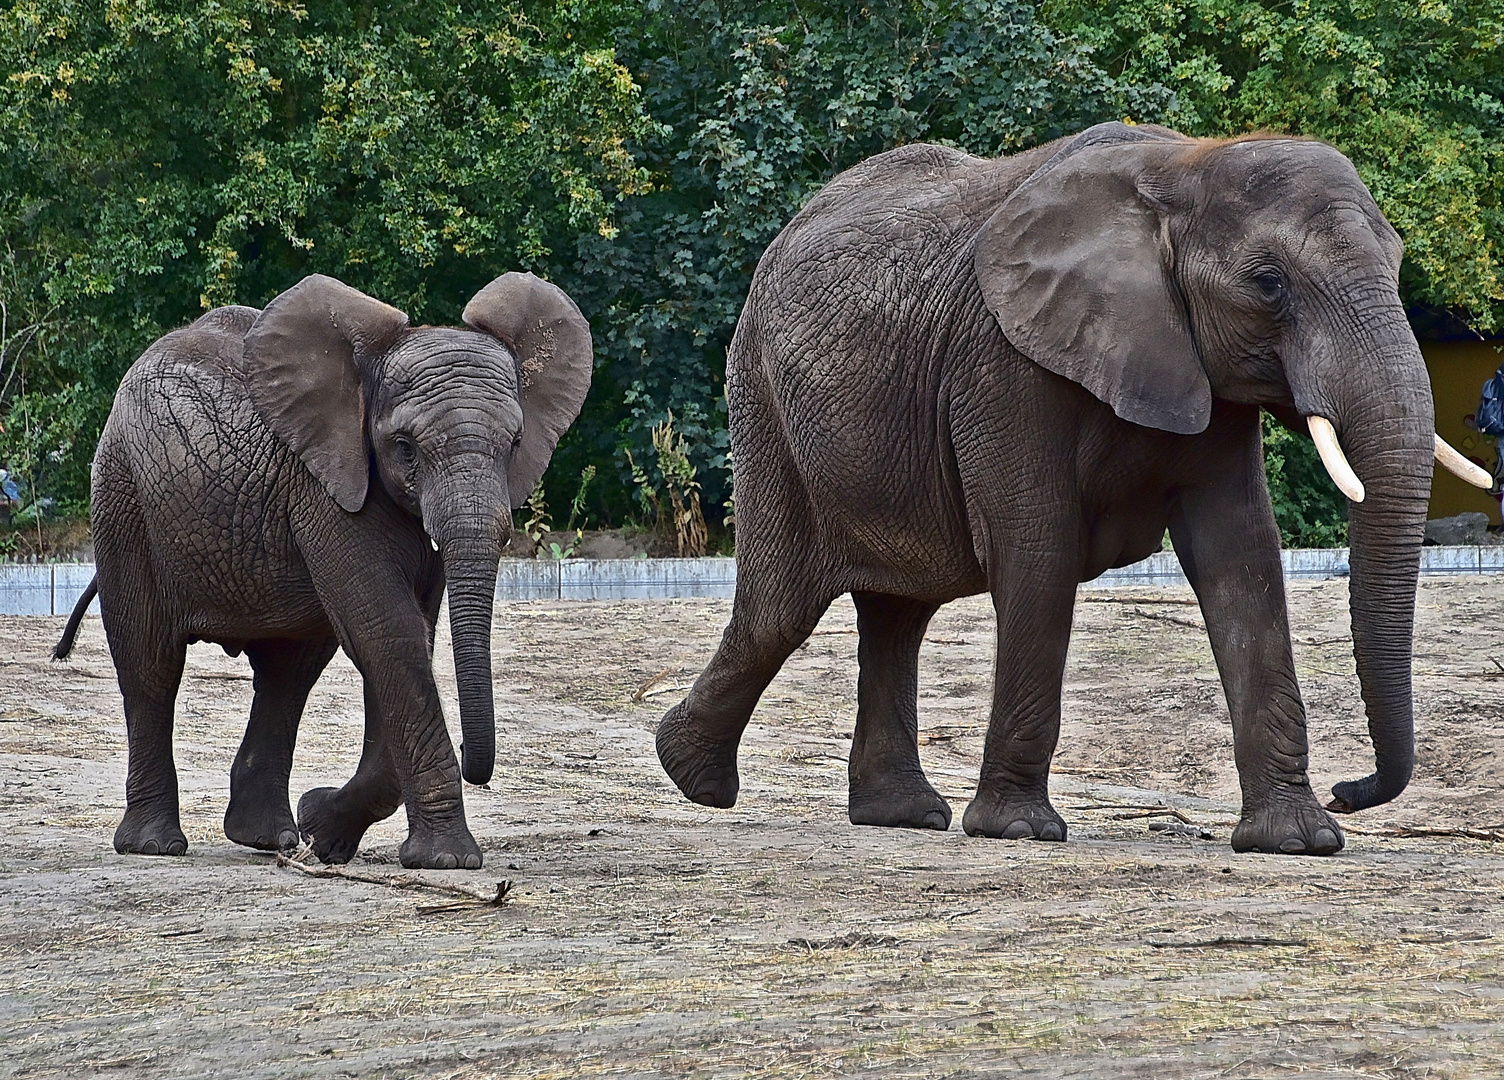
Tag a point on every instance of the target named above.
point(431, 356)
point(1286, 172)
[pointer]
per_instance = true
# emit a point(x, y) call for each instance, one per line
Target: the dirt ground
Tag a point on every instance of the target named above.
point(650, 937)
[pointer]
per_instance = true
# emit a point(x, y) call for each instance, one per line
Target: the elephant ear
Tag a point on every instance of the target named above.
point(550, 340)
point(303, 359)
point(1077, 267)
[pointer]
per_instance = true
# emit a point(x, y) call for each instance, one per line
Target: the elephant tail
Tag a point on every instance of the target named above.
point(65, 643)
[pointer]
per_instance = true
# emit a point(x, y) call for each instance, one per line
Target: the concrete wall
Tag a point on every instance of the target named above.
point(44, 588)
point(53, 589)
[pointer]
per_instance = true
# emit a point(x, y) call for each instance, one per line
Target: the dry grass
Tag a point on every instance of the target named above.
point(649, 937)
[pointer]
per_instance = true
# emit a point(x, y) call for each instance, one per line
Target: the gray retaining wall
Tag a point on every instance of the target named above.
point(53, 588)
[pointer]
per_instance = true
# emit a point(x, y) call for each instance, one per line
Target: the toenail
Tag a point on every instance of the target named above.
point(1293, 846)
point(472, 862)
point(150, 848)
point(1019, 830)
point(1325, 838)
point(1051, 831)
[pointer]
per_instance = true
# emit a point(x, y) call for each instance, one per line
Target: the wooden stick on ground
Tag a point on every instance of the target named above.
point(1138, 600)
point(1143, 810)
point(1420, 832)
point(1157, 617)
point(1222, 942)
point(648, 684)
point(472, 893)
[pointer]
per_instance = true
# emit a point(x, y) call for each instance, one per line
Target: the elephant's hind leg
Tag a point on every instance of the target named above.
point(150, 670)
point(887, 783)
point(335, 819)
point(772, 616)
point(259, 815)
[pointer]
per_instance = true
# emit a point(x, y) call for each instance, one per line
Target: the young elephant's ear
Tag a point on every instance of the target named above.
point(550, 339)
point(1077, 267)
point(303, 360)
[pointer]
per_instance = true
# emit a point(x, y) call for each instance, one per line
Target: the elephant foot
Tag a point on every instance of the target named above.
point(333, 832)
point(908, 803)
point(1014, 818)
point(142, 833)
point(451, 849)
point(705, 771)
point(265, 826)
point(1288, 827)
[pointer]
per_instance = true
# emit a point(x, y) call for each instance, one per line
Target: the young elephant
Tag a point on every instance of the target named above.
point(955, 375)
point(288, 481)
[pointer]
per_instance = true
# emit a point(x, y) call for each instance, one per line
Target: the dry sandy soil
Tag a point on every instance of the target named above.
point(648, 937)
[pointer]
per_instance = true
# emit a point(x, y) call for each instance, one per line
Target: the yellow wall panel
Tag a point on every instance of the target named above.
point(1458, 371)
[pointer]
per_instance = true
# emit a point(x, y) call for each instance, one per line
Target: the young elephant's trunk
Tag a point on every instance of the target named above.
point(469, 519)
point(470, 567)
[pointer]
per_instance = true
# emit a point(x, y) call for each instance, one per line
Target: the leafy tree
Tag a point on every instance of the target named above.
point(761, 104)
point(161, 156)
point(1307, 507)
point(1411, 93)
point(158, 158)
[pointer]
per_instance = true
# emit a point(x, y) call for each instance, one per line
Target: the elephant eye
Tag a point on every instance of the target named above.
point(406, 449)
point(516, 440)
point(1270, 284)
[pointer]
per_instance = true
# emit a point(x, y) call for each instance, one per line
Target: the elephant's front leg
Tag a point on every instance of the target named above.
point(383, 628)
point(412, 721)
point(1034, 596)
point(1227, 541)
point(335, 819)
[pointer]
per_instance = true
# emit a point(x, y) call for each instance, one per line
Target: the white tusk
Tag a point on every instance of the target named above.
point(1337, 468)
point(1454, 463)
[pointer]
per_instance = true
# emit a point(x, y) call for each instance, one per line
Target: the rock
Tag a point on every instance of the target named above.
point(1464, 529)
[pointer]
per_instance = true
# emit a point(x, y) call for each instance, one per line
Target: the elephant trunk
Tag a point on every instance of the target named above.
point(1388, 434)
point(470, 521)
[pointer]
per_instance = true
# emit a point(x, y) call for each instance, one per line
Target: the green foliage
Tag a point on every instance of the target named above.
point(1410, 92)
point(160, 157)
point(760, 104)
point(157, 159)
point(1308, 508)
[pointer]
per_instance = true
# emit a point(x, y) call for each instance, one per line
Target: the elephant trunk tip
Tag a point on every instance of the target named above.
point(476, 766)
point(1350, 796)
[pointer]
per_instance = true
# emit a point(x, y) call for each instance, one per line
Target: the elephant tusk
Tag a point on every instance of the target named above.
point(1454, 463)
point(1325, 437)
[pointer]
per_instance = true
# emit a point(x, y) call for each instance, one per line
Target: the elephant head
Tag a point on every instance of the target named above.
point(459, 425)
point(1160, 271)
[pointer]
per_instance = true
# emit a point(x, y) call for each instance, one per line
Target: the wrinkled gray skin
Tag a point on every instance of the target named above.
point(955, 375)
point(270, 481)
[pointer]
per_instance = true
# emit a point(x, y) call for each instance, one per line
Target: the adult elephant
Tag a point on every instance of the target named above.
point(288, 481)
point(955, 375)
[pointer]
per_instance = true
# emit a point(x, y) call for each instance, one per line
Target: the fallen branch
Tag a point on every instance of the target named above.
point(1420, 832)
point(1157, 617)
point(1231, 942)
point(642, 690)
point(670, 689)
point(1138, 600)
point(1144, 811)
point(853, 940)
point(471, 893)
